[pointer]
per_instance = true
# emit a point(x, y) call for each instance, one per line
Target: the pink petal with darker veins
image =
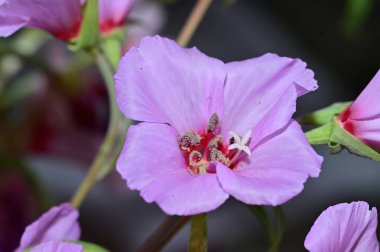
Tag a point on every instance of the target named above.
point(59, 223)
point(152, 163)
point(161, 82)
point(113, 13)
point(60, 18)
point(344, 227)
point(276, 170)
point(367, 104)
point(253, 86)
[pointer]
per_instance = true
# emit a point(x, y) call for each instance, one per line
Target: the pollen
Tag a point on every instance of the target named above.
point(201, 149)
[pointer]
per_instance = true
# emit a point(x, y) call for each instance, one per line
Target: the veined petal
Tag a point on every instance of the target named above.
point(344, 227)
point(113, 13)
point(276, 170)
point(57, 246)
point(59, 223)
point(367, 131)
point(367, 104)
point(10, 24)
point(253, 87)
point(277, 118)
point(152, 163)
point(161, 82)
point(61, 18)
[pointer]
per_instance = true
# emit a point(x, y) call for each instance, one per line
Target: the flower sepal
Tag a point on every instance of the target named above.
point(112, 44)
point(89, 33)
point(338, 138)
point(325, 115)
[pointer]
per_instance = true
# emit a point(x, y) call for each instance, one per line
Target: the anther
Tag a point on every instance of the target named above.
point(214, 142)
point(188, 140)
point(213, 122)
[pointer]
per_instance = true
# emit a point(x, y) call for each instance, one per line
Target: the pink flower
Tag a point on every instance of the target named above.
point(344, 227)
point(362, 117)
point(113, 13)
point(59, 223)
point(57, 246)
point(193, 108)
point(61, 18)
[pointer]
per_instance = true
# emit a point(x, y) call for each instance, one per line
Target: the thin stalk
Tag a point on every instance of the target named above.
point(111, 143)
point(163, 234)
point(193, 21)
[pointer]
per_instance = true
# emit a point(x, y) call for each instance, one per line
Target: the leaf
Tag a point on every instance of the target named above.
point(89, 32)
point(198, 234)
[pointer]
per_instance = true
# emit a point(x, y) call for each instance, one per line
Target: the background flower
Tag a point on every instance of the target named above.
point(344, 227)
point(362, 117)
point(61, 18)
point(58, 224)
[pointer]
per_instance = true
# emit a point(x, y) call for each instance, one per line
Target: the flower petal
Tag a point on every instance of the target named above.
point(162, 82)
point(152, 163)
point(11, 24)
point(277, 118)
point(368, 131)
point(57, 246)
point(61, 18)
point(344, 227)
point(253, 86)
point(59, 223)
point(113, 13)
point(367, 104)
point(276, 170)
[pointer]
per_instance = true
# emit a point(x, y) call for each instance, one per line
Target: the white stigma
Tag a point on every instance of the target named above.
point(240, 143)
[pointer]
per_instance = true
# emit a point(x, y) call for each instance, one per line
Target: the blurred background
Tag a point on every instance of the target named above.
point(54, 114)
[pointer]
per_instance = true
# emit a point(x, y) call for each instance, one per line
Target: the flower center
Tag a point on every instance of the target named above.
point(202, 148)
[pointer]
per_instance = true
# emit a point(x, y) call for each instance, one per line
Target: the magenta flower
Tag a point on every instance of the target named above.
point(210, 130)
point(113, 13)
point(60, 18)
point(59, 223)
point(362, 117)
point(344, 227)
point(56, 246)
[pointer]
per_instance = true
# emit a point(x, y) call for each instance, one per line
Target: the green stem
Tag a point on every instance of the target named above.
point(273, 232)
point(198, 234)
point(111, 145)
point(163, 234)
point(320, 135)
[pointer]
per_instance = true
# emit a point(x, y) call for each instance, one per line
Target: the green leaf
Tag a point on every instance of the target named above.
point(90, 247)
point(89, 32)
point(355, 15)
point(87, 247)
point(325, 115)
point(198, 234)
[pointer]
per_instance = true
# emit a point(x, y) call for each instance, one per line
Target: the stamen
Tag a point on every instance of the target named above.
point(214, 121)
point(214, 142)
point(188, 140)
point(240, 143)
